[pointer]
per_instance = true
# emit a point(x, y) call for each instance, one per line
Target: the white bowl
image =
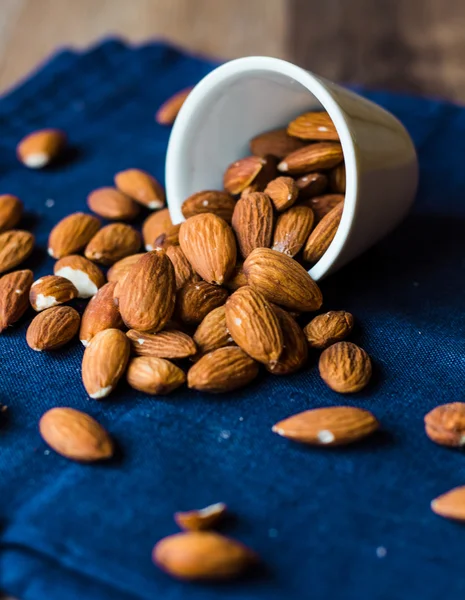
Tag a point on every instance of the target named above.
point(248, 96)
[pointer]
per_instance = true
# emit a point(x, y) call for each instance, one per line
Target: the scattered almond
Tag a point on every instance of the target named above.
point(53, 328)
point(51, 290)
point(196, 299)
point(141, 187)
point(155, 376)
point(101, 313)
point(295, 348)
point(154, 225)
point(203, 518)
point(15, 246)
point(315, 157)
point(72, 234)
point(292, 230)
point(11, 211)
point(252, 222)
point(39, 148)
point(212, 332)
point(219, 203)
point(329, 328)
point(311, 184)
point(322, 205)
point(120, 268)
point(321, 237)
point(112, 243)
point(165, 344)
point(283, 192)
point(223, 370)
point(277, 143)
point(168, 111)
point(14, 296)
point(345, 367)
point(337, 179)
point(112, 204)
point(451, 505)
point(445, 424)
point(313, 126)
point(83, 274)
point(182, 267)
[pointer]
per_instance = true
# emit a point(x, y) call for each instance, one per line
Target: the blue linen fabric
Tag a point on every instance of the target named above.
point(347, 523)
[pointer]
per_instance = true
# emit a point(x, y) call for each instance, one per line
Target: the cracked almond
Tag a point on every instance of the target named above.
point(83, 274)
point(345, 367)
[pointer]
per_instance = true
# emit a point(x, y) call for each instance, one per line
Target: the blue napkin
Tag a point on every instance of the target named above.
point(348, 523)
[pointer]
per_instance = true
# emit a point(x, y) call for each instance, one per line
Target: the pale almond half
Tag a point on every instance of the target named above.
point(202, 518)
point(83, 274)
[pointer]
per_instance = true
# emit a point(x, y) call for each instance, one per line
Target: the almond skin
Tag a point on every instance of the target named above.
point(202, 555)
point(75, 435)
point(165, 344)
point(254, 326)
point(252, 222)
point(242, 173)
point(11, 211)
point(72, 234)
point(141, 187)
point(112, 243)
point(14, 296)
point(39, 148)
point(277, 143)
point(101, 313)
point(51, 290)
point(182, 267)
point(237, 279)
point(451, 505)
point(322, 205)
point(295, 348)
point(219, 203)
point(282, 280)
point(83, 274)
point(155, 376)
point(283, 192)
point(170, 237)
point(222, 370)
point(196, 299)
point(313, 126)
point(112, 204)
point(154, 225)
point(337, 179)
point(315, 157)
point(147, 293)
point(212, 332)
point(209, 245)
point(168, 111)
point(321, 237)
point(122, 267)
point(15, 246)
point(53, 328)
point(311, 184)
point(445, 424)
point(327, 329)
point(345, 367)
point(331, 426)
point(104, 362)
point(201, 519)
point(292, 230)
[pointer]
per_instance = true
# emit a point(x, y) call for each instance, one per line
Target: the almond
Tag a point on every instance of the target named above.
point(72, 234)
point(322, 205)
point(112, 243)
point(315, 157)
point(242, 173)
point(182, 267)
point(292, 230)
point(203, 518)
point(209, 245)
point(147, 293)
point(83, 274)
point(311, 184)
point(15, 246)
point(53, 328)
point(445, 424)
point(295, 348)
point(101, 313)
point(327, 329)
point(313, 126)
point(169, 110)
point(451, 505)
point(14, 296)
point(112, 204)
point(104, 362)
point(252, 222)
point(330, 426)
point(196, 299)
point(220, 204)
point(277, 143)
point(122, 267)
point(165, 344)
point(39, 148)
point(141, 187)
point(51, 290)
point(155, 376)
point(212, 332)
point(75, 435)
point(337, 179)
point(254, 326)
point(202, 555)
point(154, 225)
point(283, 192)
point(237, 279)
point(170, 237)
point(321, 237)
point(282, 280)
point(345, 367)
point(11, 211)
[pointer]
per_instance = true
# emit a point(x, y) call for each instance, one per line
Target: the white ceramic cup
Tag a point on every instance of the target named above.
point(248, 96)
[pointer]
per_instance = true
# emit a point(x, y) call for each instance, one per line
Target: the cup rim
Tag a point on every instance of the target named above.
point(316, 86)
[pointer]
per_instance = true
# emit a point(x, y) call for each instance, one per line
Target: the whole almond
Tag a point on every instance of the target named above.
point(182, 267)
point(209, 245)
point(53, 328)
point(202, 555)
point(315, 157)
point(282, 280)
point(277, 143)
point(75, 435)
point(51, 290)
point(254, 326)
point(84, 274)
point(202, 518)
point(252, 222)
point(11, 211)
point(141, 187)
point(311, 184)
point(322, 205)
point(101, 313)
point(283, 192)
point(219, 203)
point(165, 344)
point(122, 267)
point(337, 179)
point(112, 243)
point(112, 204)
point(155, 376)
point(196, 299)
point(330, 426)
point(104, 362)
point(345, 367)
point(329, 328)
point(147, 293)
point(313, 126)
point(321, 237)
point(15, 246)
point(451, 505)
point(445, 424)
point(212, 332)
point(39, 148)
point(295, 348)
point(72, 234)
point(154, 225)
point(169, 110)
point(237, 279)
point(170, 237)
point(241, 173)
point(222, 370)
point(14, 296)
point(292, 230)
